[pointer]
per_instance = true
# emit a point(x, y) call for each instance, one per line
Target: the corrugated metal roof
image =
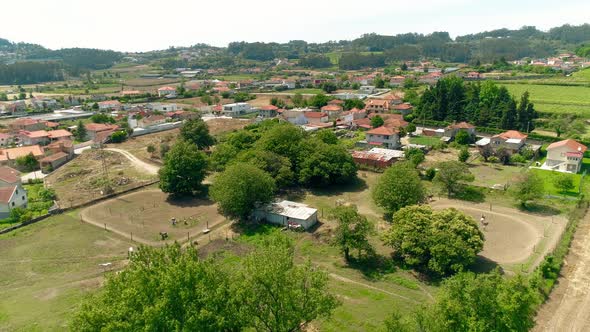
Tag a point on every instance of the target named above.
point(291, 210)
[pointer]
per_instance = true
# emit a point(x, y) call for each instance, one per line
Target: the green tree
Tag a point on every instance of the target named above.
point(184, 169)
point(437, 242)
point(240, 187)
point(353, 103)
point(284, 140)
point(163, 289)
point(27, 163)
point(327, 136)
point(151, 149)
point(277, 166)
point(415, 156)
point(352, 231)
point(325, 164)
point(377, 121)
point(102, 118)
point(399, 186)
point(81, 131)
point(451, 176)
point(329, 87)
point(563, 182)
point(196, 131)
point(486, 152)
point(277, 295)
point(463, 154)
point(483, 302)
point(118, 136)
point(528, 187)
point(462, 137)
point(319, 100)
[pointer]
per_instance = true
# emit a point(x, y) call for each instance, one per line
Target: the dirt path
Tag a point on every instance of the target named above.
point(344, 279)
point(568, 306)
point(141, 165)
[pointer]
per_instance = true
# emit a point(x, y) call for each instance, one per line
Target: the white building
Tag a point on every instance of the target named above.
point(288, 214)
point(166, 91)
point(565, 156)
point(383, 136)
point(12, 193)
point(162, 107)
point(236, 109)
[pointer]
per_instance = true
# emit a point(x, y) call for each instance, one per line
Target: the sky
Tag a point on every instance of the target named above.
point(143, 25)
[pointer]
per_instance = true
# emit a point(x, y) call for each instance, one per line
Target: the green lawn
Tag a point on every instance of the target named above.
point(425, 140)
point(48, 267)
point(549, 177)
point(306, 91)
point(555, 98)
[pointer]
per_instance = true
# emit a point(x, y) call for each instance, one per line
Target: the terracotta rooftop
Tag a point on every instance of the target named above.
point(110, 102)
point(166, 88)
point(100, 126)
point(382, 131)
point(381, 102)
point(336, 102)
point(571, 145)
point(59, 133)
point(315, 115)
point(34, 134)
point(461, 125)
point(24, 122)
point(11, 154)
point(331, 108)
point(514, 134)
point(9, 175)
point(54, 157)
point(6, 194)
point(269, 108)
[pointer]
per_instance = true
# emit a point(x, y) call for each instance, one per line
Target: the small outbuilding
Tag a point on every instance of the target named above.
point(288, 214)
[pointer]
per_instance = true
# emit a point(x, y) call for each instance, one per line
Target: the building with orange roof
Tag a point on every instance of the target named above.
point(451, 131)
point(332, 109)
point(383, 137)
point(565, 156)
point(93, 129)
point(166, 91)
point(59, 134)
point(27, 124)
point(8, 156)
point(268, 111)
point(110, 105)
point(378, 106)
point(316, 117)
point(40, 137)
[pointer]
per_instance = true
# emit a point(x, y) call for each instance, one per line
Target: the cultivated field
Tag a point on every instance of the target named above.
point(48, 268)
point(147, 213)
point(83, 179)
point(556, 98)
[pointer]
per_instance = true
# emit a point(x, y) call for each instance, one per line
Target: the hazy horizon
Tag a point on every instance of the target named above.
point(136, 26)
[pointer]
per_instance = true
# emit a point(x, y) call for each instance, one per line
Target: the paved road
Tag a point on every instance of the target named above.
point(568, 307)
point(142, 165)
point(33, 175)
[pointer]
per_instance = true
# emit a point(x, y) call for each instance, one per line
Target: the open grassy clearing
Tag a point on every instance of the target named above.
point(48, 267)
point(425, 140)
point(556, 98)
point(148, 212)
point(82, 179)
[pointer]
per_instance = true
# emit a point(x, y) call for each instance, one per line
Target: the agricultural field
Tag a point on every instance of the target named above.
point(82, 179)
point(555, 98)
point(425, 140)
point(144, 214)
point(49, 267)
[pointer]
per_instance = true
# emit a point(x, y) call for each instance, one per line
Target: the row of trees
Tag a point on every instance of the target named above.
point(172, 289)
point(31, 72)
point(487, 104)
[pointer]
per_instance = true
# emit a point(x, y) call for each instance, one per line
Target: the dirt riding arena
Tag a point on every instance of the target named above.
point(517, 241)
point(145, 214)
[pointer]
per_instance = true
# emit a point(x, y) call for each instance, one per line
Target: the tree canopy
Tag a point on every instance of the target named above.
point(437, 242)
point(452, 175)
point(184, 169)
point(352, 231)
point(399, 186)
point(196, 131)
point(528, 187)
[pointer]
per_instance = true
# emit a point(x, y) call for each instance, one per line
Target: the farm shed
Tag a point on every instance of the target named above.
point(377, 157)
point(287, 213)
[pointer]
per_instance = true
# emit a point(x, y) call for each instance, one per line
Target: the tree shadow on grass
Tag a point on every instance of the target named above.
point(373, 267)
point(539, 209)
point(484, 265)
point(199, 197)
point(355, 185)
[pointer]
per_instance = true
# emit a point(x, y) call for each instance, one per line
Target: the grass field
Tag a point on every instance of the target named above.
point(425, 140)
point(48, 267)
point(305, 91)
point(555, 98)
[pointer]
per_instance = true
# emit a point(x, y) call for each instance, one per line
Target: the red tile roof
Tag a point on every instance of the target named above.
point(11, 154)
point(166, 88)
point(315, 115)
point(34, 134)
point(100, 127)
point(51, 124)
point(25, 122)
point(461, 125)
point(571, 145)
point(59, 133)
point(269, 108)
point(336, 102)
point(110, 102)
point(381, 102)
point(9, 175)
point(331, 108)
point(514, 134)
point(382, 131)
point(6, 193)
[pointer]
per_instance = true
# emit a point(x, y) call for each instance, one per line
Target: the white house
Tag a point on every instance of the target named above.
point(166, 91)
point(12, 193)
point(288, 214)
point(162, 107)
point(383, 136)
point(565, 156)
point(296, 116)
point(236, 109)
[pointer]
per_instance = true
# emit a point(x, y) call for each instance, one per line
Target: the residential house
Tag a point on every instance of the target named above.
point(167, 91)
point(109, 106)
point(59, 135)
point(49, 163)
point(358, 114)
point(268, 111)
point(40, 137)
point(336, 102)
point(511, 140)
point(151, 120)
point(397, 80)
point(236, 109)
point(473, 75)
point(452, 130)
point(12, 193)
point(44, 103)
point(296, 116)
point(6, 139)
point(383, 136)
point(430, 78)
point(316, 117)
point(565, 156)
point(378, 106)
point(287, 214)
point(182, 115)
point(98, 131)
point(13, 107)
point(346, 118)
point(8, 156)
point(26, 124)
point(404, 109)
point(162, 107)
point(66, 146)
point(332, 110)
point(130, 93)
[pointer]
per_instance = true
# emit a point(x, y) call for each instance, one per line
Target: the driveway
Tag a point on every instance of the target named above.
point(138, 163)
point(33, 175)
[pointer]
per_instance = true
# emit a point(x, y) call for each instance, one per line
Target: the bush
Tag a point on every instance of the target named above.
point(463, 155)
point(118, 137)
point(493, 159)
point(430, 173)
point(517, 158)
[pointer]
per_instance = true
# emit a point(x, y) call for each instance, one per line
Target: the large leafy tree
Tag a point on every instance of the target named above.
point(196, 131)
point(399, 186)
point(163, 290)
point(240, 187)
point(283, 139)
point(325, 164)
point(437, 242)
point(352, 231)
point(452, 175)
point(482, 302)
point(528, 187)
point(277, 295)
point(277, 166)
point(184, 169)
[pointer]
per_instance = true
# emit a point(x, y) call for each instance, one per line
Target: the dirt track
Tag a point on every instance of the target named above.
point(568, 307)
point(141, 165)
